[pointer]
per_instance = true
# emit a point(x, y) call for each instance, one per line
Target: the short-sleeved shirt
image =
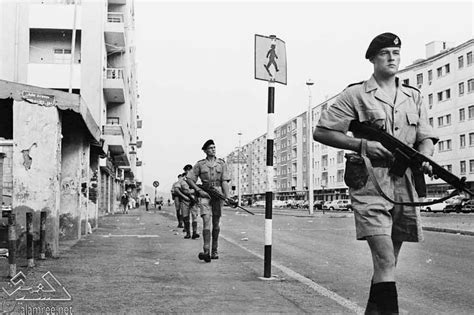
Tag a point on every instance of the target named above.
point(406, 118)
point(175, 186)
point(210, 172)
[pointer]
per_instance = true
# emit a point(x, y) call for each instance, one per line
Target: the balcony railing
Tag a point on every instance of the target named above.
point(115, 17)
point(114, 73)
point(112, 130)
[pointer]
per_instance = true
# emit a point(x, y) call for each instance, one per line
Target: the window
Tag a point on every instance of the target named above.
point(62, 55)
point(470, 85)
point(441, 146)
point(406, 82)
point(439, 71)
point(448, 144)
point(462, 114)
point(448, 94)
point(324, 161)
point(448, 119)
point(449, 167)
point(461, 88)
point(469, 58)
point(340, 176)
point(444, 145)
point(431, 121)
point(446, 69)
point(419, 79)
point(440, 96)
point(471, 166)
point(462, 167)
point(430, 75)
point(460, 62)
point(430, 100)
point(340, 157)
point(440, 121)
point(462, 141)
point(471, 139)
point(471, 111)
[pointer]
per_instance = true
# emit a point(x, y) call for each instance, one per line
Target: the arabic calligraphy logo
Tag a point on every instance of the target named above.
point(47, 289)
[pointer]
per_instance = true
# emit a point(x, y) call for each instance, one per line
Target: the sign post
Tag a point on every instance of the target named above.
point(270, 65)
point(155, 184)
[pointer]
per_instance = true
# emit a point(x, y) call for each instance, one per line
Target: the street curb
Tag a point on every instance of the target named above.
point(443, 230)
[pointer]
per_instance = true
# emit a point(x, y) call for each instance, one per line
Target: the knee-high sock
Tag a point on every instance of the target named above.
point(186, 224)
point(195, 227)
point(206, 236)
point(386, 297)
point(371, 308)
point(215, 237)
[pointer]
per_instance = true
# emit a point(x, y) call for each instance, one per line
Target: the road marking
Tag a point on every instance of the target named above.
point(130, 235)
point(310, 283)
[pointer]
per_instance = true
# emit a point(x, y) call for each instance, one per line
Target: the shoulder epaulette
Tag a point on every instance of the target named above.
point(411, 87)
point(357, 83)
point(221, 160)
point(201, 160)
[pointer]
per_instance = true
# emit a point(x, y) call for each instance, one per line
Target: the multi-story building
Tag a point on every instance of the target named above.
point(446, 81)
point(85, 48)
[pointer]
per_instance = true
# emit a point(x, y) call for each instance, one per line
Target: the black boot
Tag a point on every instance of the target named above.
point(215, 243)
point(206, 235)
point(195, 233)
point(186, 227)
point(386, 298)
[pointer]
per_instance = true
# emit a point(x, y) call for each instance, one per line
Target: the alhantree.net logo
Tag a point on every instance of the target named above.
point(35, 296)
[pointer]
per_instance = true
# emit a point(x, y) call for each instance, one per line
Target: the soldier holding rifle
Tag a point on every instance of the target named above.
point(398, 109)
point(212, 172)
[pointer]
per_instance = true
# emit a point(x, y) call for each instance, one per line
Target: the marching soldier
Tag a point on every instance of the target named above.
point(189, 209)
point(176, 198)
point(213, 172)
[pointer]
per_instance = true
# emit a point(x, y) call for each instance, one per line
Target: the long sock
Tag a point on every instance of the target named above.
point(215, 238)
point(195, 226)
point(206, 236)
point(386, 297)
point(186, 224)
point(371, 308)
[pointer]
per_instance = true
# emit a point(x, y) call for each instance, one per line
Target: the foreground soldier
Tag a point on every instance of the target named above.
point(398, 109)
point(213, 172)
point(176, 198)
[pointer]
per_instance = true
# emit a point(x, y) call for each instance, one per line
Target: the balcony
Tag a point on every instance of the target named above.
point(114, 31)
point(115, 139)
point(114, 85)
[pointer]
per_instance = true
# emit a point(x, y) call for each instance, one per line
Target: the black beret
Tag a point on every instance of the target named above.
point(188, 167)
point(207, 143)
point(382, 41)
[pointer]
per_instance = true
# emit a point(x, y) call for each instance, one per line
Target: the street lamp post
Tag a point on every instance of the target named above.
point(309, 128)
point(238, 170)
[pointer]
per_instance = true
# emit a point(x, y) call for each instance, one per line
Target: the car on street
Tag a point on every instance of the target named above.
point(318, 204)
point(437, 207)
point(259, 203)
point(339, 204)
point(468, 206)
point(455, 204)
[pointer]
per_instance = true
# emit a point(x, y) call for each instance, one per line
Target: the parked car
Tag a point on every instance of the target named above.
point(468, 206)
point(437, 207)
point(340, 204)
point(455, 204)
point(259, 203)
point(279, 203)
point(318, 204)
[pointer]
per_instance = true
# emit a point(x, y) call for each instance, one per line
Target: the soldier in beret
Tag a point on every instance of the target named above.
point(399, 110)
point(213, 172)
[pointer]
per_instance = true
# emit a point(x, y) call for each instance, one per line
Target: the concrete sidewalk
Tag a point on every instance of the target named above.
point(139, 263)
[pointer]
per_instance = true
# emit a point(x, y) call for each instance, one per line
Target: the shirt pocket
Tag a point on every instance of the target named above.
point(412, 125)
point(377, 117)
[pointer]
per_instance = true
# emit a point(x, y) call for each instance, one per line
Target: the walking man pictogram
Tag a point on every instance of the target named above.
point(271, 55)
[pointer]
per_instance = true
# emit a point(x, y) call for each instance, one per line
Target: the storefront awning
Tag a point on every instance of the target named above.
point(48, 98)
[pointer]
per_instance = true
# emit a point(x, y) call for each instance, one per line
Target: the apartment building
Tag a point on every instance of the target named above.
point(446, 80)
point(83, 53)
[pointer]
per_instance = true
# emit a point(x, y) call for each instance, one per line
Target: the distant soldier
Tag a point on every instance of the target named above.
point(124, 202)
point(176, 199)
point(189, 209)
point(212, 172)
point(147, 202)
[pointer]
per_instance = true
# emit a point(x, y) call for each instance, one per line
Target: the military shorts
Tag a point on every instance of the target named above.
point(375, 215)
point(211, 207)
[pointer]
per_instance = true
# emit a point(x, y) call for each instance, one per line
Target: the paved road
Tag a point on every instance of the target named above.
point(435, 277)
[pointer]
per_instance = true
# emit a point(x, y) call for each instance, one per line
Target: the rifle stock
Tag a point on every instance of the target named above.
point(406, 156)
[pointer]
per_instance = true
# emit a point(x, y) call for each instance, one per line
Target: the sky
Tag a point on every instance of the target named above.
point(195, 64)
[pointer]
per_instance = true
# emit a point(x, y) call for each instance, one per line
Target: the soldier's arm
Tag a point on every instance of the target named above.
point(225, 188)
point(180, 193)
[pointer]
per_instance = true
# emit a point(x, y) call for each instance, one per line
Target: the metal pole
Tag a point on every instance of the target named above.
point(29, 239)
point(267, 271)
point(12, 244)
point(309, 127)
point(42, 254)
point(73, 47)
point(238, 170)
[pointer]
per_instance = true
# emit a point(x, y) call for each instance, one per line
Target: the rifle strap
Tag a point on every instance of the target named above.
point(373, 179)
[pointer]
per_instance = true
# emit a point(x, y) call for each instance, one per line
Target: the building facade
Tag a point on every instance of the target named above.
point(83, 48)
point(446, 80)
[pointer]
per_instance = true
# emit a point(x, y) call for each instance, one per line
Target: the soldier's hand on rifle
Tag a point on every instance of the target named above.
point(376, 150)
point(203, 194)
point(428, 169)
point(232, 203)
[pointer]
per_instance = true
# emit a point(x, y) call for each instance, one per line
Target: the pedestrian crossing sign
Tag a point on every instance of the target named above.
point(270, 59)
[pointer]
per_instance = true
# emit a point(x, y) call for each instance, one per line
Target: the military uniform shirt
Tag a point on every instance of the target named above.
point(210, 172)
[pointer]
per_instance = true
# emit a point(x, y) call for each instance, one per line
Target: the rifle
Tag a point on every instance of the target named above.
point(214, 193)
point(404, 157)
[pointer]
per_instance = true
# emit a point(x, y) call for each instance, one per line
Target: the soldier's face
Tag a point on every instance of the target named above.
point(211, 150)
point(387, 61)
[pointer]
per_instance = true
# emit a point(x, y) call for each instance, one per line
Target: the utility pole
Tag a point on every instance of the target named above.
point(309, 142)
point(238, 170)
